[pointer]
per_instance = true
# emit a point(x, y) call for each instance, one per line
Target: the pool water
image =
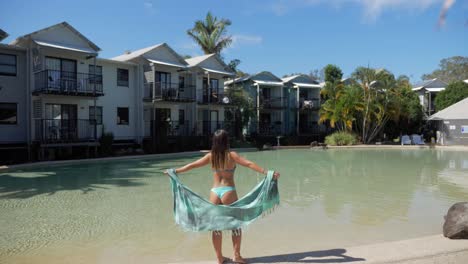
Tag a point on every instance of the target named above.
point(121, 211)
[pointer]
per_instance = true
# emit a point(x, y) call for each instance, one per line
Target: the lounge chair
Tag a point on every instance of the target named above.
point(417, 139)
point(405, 140)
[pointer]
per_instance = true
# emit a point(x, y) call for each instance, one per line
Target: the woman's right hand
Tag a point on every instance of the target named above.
point(276, 175)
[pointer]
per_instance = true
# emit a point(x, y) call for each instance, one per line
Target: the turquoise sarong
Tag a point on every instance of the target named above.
point(194, 213)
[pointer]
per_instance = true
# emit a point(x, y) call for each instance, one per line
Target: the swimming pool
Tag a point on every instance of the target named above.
point(121, 211)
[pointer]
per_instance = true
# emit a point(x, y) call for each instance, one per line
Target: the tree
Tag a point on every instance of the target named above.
point(379, 99)
point(450, 70)
point(410, 118)
point(211, 34)
point(332, 92)
point(233, 65)
point(241, 108)
point(454, 92)
point(332, 73)
point(317, 75)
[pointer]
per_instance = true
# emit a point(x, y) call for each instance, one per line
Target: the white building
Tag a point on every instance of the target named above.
point(270, 101)
point(427, 92)
point(64, 81)
point(210, 73)
point(14, 125)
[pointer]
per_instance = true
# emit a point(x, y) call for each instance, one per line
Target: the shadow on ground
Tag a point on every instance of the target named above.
point(87, 177)
point(322, 256)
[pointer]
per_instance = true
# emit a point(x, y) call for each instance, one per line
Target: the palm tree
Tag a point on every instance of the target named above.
point(210, 34)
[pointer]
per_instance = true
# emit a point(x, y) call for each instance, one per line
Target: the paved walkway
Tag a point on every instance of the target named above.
point(424, 250)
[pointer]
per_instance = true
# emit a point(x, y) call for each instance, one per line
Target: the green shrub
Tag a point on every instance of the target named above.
point(341, 139)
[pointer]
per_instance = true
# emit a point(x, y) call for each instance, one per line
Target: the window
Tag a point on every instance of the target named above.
point(214, 84)
point(98, 114)
point(163, 80)
point(122, 77)
point(181, 83)
point(98, 74)
point(181, 116)
point(8, 114)
point(7, 64)
point(122, 116)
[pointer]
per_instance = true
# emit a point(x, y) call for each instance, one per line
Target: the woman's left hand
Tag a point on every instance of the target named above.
point(276, 175)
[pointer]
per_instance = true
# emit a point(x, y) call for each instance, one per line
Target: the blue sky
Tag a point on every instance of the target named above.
point(281, 36)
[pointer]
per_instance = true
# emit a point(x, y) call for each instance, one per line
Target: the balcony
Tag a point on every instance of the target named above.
point(171, 128)
point(64, 130)
point(67, 83)
point(172, 92)
point(207, 128)
point(309, 104)
point(211, 96)
point(273, 102)
point(268, 128)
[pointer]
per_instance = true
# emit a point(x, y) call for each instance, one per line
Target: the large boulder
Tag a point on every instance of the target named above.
point(456, 221)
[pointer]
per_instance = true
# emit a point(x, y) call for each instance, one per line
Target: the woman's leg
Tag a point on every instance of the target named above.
point(229, 198)
point(217, 237)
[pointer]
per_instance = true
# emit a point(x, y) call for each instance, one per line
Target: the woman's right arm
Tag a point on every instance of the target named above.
point(247, 163)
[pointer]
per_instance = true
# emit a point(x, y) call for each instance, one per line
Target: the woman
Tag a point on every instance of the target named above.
point(223, 163)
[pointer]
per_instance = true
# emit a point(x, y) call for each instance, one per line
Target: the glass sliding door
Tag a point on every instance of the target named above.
point(61, 122)
point(53, 73)
point(61, 74)
point(163, 84)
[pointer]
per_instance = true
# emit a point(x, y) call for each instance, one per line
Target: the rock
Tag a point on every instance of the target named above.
point(267, 146)
point(456, 221)
point(314, 144)
point(139, 151)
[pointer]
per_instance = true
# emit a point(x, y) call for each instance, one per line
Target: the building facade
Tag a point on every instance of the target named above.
point(427, 92)
point(14, 125)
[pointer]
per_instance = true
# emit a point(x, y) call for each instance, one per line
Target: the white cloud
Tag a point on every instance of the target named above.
point(240, 39)
point(148, 5)
point(372, 9)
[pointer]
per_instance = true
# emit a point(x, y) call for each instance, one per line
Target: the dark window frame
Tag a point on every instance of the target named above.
point(16, 110)
point(181, 83)
point(119, 120)
point(6, 64)
point(181, 114)
point(125, 82)
point(98, 115)
point(98, 75)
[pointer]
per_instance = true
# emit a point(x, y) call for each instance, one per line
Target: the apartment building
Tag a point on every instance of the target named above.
point(66, 96)
point(270, 102)
point(181, 98)
point(427, 92)
point(303, 104)
point(14, 125)
point(210, 73)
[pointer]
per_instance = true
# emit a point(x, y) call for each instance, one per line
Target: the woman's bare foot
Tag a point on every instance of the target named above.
point(239, 259)
point(223, 260)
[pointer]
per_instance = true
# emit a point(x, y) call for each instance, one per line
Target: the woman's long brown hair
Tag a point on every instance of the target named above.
point(220, 149)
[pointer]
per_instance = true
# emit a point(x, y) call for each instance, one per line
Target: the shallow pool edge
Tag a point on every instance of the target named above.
point(129, 157)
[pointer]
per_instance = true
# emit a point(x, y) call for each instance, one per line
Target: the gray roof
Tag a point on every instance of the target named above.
point(136, 53)
point(426, 83)
point(456, 111)
point(197, 60)
point(63, 24)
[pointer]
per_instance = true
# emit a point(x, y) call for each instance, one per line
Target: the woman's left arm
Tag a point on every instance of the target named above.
point(196, 164)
